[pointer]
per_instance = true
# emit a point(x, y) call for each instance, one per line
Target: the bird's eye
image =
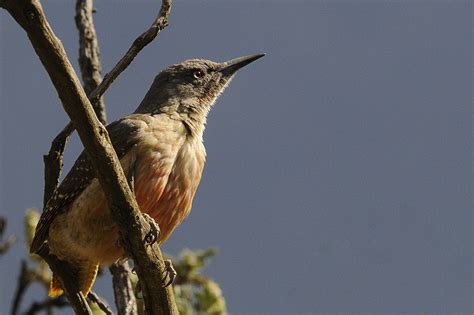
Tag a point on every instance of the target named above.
point(198, 74)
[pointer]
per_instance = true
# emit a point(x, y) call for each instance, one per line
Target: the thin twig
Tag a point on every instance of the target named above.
point(102, 305)
point(22, 284)
point(53, 162)
point(160, 22)
point(48, 303)
point(123, 289)
point(26, 277)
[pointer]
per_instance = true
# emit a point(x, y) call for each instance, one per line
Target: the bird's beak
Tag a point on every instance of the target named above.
point(231, 66)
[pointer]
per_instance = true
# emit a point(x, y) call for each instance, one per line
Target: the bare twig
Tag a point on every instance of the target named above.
point(123, 289)
point(53, 162)
point(48, 303)
point(102, 305)
point(160, 22)
point(22, 284)
point(132, 225)
point(26, 277)
point(89, 54)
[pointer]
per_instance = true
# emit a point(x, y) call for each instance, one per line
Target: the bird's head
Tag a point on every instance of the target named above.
point(191, 87)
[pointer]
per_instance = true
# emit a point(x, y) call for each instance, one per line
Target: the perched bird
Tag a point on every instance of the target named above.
point(163, 139)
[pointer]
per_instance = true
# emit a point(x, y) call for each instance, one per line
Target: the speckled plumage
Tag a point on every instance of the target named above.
point(165, 139)
point(168, 171)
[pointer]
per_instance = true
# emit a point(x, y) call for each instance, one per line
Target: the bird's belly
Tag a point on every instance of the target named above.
point(168, 199)
point(87, 230)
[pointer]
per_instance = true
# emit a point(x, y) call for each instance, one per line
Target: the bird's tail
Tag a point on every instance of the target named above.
point(85, 275)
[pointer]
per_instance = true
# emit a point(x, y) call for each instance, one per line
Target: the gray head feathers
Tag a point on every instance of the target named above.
point(189, 89)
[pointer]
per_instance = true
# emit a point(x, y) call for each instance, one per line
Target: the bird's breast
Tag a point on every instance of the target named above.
point(166, 184)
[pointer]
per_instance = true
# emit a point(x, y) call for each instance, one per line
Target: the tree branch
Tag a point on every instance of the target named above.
point(37, 307)
point(89, 54)
point(123, 290)
point(93, 297)
point(53, 162)
point(160, 22)
point(148, 259)
point(22, 284)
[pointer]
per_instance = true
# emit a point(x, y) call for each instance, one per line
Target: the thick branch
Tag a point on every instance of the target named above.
point(150, 266)
point(123, 289)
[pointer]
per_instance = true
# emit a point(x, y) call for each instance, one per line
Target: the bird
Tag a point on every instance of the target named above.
point(161, 142)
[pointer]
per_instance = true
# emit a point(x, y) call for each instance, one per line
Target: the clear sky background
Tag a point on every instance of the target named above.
point(338, 177)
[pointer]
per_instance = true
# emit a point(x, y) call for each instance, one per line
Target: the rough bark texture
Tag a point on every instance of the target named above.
point(123, 289)
point(89, 54)
point(133, 227)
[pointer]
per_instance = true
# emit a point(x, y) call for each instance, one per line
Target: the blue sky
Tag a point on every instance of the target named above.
point(339, 166)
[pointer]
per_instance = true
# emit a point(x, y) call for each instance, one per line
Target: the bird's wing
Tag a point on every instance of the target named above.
point(121, 133)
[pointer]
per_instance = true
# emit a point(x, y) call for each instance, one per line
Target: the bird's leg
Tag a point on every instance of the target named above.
point(154, 233)
point(170, 272)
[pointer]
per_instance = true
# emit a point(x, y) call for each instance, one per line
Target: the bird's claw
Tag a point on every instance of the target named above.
point(170, 273)
point(152, 236)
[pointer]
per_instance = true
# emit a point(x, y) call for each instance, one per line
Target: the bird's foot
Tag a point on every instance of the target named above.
point(154, 233)
point(170, 272)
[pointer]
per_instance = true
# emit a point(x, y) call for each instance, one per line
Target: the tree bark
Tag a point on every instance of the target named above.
point(123, 290)
point(89, 54)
